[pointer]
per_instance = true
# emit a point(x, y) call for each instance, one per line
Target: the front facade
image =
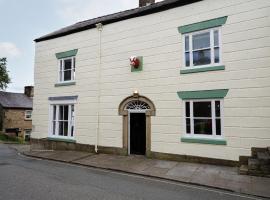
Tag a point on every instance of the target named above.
point(201, 87)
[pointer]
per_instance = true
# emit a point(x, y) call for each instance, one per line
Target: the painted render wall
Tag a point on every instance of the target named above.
point(246, 55)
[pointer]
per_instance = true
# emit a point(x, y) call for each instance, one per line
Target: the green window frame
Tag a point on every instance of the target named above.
point(66, 68)
point(202, 46)
point(212, 124)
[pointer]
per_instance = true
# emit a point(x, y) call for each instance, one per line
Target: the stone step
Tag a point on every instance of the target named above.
point(256, 150)
point(265, 169)
point(243, 170)
point(256, 173)
point(243, 160)
point(263, 157)
point(253, 164)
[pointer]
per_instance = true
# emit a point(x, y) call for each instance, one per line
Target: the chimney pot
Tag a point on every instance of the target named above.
point(145, 2)
point(29, 91)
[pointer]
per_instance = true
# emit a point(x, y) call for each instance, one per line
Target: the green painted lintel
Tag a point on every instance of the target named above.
point(203, 94)
point(140, 68)
point(64, 84)
point(61, 140)
point(202, 25)
point(66, 54)
point(203, 69)
point(204, 141)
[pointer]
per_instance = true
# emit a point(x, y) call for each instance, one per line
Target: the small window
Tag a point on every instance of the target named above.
point(62, 121)
point(27, 134)
point(67, 69)
point(202, 49)
point(203, 118)
point(28, 115)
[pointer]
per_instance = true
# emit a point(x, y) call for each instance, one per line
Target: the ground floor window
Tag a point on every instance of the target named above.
point(62, 121)
point(203, 118)
point(27, 134)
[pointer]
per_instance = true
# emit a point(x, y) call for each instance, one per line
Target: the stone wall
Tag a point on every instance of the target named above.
point(15, 118)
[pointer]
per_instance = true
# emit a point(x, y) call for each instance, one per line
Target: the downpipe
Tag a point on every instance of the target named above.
point(99, 27)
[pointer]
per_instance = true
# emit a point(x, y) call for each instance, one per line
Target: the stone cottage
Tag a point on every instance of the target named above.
point(16, 113)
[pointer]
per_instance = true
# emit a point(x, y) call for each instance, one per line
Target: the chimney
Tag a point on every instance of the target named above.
point(145, 2)
point(29, 91)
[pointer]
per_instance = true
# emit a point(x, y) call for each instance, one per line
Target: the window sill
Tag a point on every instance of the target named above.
point(61, 140)
point(65, 84)
point(202, 69)
point(204, 141)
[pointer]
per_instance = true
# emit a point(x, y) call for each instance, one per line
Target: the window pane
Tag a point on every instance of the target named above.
point(201, 40)
point(67, 75)
point(65, 112)
point(202, 57)
point(72, 120)
point(54, 112)
point(67, 64)
point(74, 63)
point(187, 109)
point(187, 125)
point(61, 113)
point(218, 127)
point(72, 130)
point(216, 55)
point(217, 105)
point(203, 126)
point(187, 59)
point(216, 38)
point(202, 109)
point(65, 128)
point(54, 127)
point(187, 43)
point(61, 125)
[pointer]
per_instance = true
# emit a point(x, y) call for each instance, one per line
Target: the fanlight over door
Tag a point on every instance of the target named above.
point(137, 105)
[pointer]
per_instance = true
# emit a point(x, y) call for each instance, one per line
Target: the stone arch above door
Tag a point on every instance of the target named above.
point(136, 97)
point(150, 110)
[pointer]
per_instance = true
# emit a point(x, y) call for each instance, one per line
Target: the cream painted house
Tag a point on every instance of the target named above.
point(200, 89)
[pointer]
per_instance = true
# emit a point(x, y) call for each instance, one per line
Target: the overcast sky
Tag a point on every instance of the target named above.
point(24, 20)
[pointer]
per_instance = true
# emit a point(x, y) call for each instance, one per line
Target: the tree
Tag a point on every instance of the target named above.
point(4, 77)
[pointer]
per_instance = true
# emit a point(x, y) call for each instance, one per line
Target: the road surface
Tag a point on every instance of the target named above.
point(26, 178)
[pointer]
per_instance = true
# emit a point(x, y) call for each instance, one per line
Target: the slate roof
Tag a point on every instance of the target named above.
point(108, 19)
point(15, 100)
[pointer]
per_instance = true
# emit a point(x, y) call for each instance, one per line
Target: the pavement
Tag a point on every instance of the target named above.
point(24, 178)
point(221, 177)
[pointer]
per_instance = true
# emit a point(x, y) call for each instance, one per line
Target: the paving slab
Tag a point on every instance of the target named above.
point(183, 170)
point(64, 156)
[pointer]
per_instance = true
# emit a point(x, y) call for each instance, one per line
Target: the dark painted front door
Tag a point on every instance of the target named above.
point(137, 133)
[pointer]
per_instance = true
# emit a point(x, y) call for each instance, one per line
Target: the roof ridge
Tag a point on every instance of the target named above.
point(115, 17)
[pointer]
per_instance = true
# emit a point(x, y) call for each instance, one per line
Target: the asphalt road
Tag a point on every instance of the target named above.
point(26, 178)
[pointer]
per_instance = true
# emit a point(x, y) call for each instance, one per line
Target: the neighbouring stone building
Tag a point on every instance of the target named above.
point(179, 79)
point(16, 113)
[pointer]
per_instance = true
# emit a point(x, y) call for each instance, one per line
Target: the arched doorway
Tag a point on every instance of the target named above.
point(137, 111)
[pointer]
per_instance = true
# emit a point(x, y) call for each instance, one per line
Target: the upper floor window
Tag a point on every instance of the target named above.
point(67, 69)
point(202, 48)
point(28, 115)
